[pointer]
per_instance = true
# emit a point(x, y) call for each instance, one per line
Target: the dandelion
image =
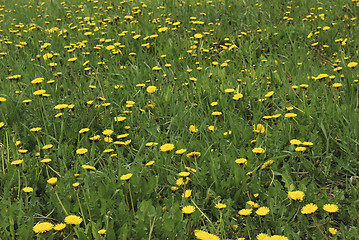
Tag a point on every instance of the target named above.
point(181, 151)
point(187, 194)
point(52, 181)
point(193, 129)
point(83, 130)
point(2, 99)
point(119, 119)
point(333, 231)
point(167, 147)
point(296, 195)
point(150, 163)
point(290, 115)
point(59, 227)
point(330, 208)
point(188, 209)
point(295, 142)
point(28, 189)
point(300, 149)
point(102, 231)
point(337, 85)
point(151, 89)
point(193, 155)
point(126, 177)
point(309, 208)
point(211, 128)
point(241, 161)
point(259, 128)
point(42, 227)
point(73, 219)
point(36, 129)
point(81, 151)
point(352, 64)
point(17, 162)
point(245, 212)
point(184, 174)
point(107, 132)
point(202, 235)
point(258, 150)
point(267, 163)
point(2, 124)
point(46, 160)
point(216, 113)
point(220, 206)
point(88, 167)
point(263, 236)
point(262, 211)
point(237, 96)
point(269, 94)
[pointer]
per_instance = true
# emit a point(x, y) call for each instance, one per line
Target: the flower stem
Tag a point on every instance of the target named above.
point(317, 226)
point(18, 191)
point(82, 212)
point(247, 226)
point(58, 198)
point(133, 209)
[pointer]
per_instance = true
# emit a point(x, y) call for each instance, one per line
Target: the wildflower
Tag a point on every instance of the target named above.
point(174, 189)
point(352, 64)
point(39, 92)
point(81, 151)
point(330, 208)
point(167, 147)
point(76, 184)
point(258, 150)
point(59, 226)
point(107, 132)
point(151, 89)
point(188, 209)
point(198, 36)
point(102, 232)
point(253, 204)
point(211, 128)
point(42, 227)
point(126, 177)
point(181, 151)
point(296, 195)
point(119, 119)
point(245, 212)
point(2, 124)
point(220, 206)
point(184, 174)
point(28, 189)
point(88, 167)
point(241, 161)
point(333, 231)
point(259, 128)
point(47, 146)
point(193, 155)
point(36, 129)
point(262, 211)
point(73, 219)
point(290, 115)
point(52, 181)
point(46, 160)
point(193, 129)
point(187, 194)
point(337, 85)
point(269, 94)
point(2, 99)
point(308, 144)
point(216, 113)
point(72, 59)
point(295, 142)
point(17, 162)
point(262, 236)
point(266, 164)
point(309, 208)
point(150, 163)
point(83, 130)
point(300, 149)
point(202, 235)
point(237, 96)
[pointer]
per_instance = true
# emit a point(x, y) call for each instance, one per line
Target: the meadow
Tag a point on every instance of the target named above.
point(206, 119)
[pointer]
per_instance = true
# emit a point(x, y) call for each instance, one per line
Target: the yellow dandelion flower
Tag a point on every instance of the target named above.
point(126, 177)
point(330, 208)
point(262, 211)
point(245, 212)
point(167, 147)
point(188, 209)
point(28, 189)
point(52, 181)
point(296, 195)
point(309, 208)
point(59, 227)
point(42, 227)
point(73, 219)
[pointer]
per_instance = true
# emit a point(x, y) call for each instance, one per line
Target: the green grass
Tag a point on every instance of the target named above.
point(203, 49)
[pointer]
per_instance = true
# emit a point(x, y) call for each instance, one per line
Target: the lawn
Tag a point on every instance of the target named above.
point(151, 119)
